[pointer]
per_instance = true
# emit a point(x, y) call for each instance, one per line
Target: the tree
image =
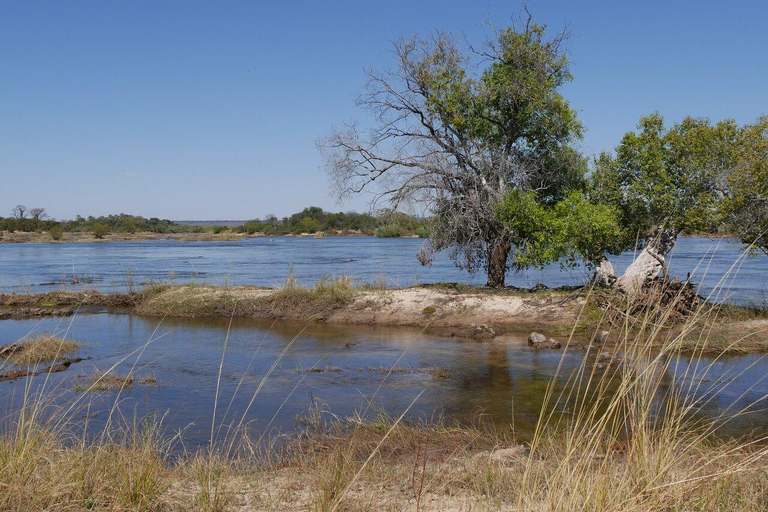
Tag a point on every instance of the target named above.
point(38, 213)
point(665, 181)
point(745, 203)
point(571, 230)
point(100, 230)
point(455, 129)
point(19, 212)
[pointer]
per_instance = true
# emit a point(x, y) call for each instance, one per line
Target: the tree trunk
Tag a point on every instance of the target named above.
point(498, 252)
point(650, 262)
point(604, 273)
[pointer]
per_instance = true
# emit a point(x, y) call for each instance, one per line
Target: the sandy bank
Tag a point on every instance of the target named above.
point(446, 310)
point(411, 306)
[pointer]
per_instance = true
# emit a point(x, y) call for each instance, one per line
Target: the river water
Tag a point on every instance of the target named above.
point(265, 261)
point(502, 381)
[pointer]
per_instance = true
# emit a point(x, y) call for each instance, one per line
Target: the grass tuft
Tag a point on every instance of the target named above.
point(44, 348)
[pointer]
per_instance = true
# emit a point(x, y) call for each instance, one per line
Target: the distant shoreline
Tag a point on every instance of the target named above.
point(20, 237)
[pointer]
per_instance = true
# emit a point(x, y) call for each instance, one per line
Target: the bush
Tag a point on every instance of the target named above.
point(389, 231)
point(56, 232)
point(100, 230)
point(422, 232)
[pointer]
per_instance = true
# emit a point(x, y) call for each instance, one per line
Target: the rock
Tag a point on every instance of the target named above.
point(553, 343)
point(476, 332)
point(610, 359)
point(507, 454)
point(482, 331)
point(602, 337)
point(536, 338)
point(605, 356)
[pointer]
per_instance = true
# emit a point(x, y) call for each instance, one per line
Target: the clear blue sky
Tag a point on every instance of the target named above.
point(210, 110)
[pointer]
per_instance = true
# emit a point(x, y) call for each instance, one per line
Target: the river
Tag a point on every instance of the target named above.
point(265, 261)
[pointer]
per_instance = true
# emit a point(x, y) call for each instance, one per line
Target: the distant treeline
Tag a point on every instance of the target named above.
point(309, 220)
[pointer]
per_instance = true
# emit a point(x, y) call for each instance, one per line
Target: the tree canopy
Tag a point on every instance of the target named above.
point(745, 203)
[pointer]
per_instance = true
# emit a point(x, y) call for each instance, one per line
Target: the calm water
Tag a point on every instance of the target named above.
point(503, 380)
point(265, 261)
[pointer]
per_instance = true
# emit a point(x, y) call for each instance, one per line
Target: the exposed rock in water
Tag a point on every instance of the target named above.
point(476, 332)
point(538, 340)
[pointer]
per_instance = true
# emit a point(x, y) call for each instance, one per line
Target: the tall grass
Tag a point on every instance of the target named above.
point(628, 431)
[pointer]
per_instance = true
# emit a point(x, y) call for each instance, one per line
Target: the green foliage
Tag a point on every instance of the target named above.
point(56, 232)
point(667, 177)
point(572, 229)
point(389, 231)
point(309, 220)
point(745, 204)
point(100, 230)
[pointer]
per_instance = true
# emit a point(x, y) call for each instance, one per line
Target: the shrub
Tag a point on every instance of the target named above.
point(100, 230)
point(56, 232)
point(389, 231)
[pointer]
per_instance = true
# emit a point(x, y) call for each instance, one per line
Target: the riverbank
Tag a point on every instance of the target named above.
point(20, 237)
point(567, 314)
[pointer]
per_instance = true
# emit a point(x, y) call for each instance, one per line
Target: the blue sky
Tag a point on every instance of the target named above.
point(210, 110)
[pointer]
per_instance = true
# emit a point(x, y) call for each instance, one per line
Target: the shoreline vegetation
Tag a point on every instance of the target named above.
point(312, 221)
point(584, 314)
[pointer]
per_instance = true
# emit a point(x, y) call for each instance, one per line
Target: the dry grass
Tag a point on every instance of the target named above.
point(290, 301)
point(43, 348)
point(109, 381)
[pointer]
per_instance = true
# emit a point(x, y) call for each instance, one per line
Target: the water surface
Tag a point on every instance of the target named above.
point(501, 381)
point(266, 261)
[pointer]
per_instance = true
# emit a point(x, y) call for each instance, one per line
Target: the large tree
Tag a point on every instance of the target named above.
point(455, 129)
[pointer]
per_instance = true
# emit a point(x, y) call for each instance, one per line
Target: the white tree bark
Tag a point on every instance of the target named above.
point(646, 266)
point(649, 263)
point(604, 273)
